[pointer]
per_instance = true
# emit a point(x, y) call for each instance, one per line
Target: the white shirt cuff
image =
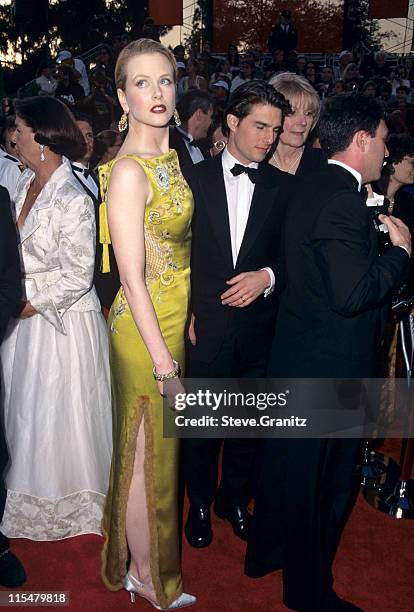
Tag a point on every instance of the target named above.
point(401, 246)
point(271, 287)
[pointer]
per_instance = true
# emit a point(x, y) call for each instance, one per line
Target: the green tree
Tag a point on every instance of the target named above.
point(76, 24)
point(192, 41)
point(319, 23)
point(358, 28)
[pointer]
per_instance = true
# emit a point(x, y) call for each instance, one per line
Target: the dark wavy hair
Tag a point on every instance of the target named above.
point(344, 116)
point(53, 125)
point(399, 146)
point(248, 95)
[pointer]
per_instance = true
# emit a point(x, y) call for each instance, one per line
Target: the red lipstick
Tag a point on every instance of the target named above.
point(158, 108)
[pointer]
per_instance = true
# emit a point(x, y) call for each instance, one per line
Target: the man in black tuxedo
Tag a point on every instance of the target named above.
point(108, 283)
point(239, 206)
point(283, 35)
point(195, 110)
point(12, 573)
point(330, 324)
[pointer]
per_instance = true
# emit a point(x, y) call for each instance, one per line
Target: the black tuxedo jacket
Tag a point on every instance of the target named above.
point(177, 142)
point(10, 301)
point(281, 39)
point(211, 260)
point(311, 161)
point(10, 274)
point(336, 302)
point(107, 284)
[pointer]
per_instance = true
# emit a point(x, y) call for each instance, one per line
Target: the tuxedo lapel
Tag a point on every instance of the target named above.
point(177, 142)
point(214, 195)
point(85, 187)
point(264, 196)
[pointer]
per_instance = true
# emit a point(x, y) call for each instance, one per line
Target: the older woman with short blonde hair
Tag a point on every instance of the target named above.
point(291, 153)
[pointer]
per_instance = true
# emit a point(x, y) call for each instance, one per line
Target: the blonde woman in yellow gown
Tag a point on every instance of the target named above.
point(149, 208)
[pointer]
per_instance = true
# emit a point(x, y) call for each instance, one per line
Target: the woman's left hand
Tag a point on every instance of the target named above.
point(27, 311)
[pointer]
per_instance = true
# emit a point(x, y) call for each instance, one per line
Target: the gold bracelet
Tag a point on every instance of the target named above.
point(175, 373)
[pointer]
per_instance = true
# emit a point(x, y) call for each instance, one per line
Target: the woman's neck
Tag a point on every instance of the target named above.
point(287, 158)
point(44, 170)
point(146, 141)
point(393, 187)
point(285, 154)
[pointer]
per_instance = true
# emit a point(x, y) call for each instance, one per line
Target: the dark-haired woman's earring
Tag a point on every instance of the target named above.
point(177, 118)
point(123, 122)
point(42, 153)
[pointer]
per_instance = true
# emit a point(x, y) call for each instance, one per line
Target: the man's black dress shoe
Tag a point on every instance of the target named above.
point(12, 573)
point(237, 516)
point(198, 527)
point(332, 603)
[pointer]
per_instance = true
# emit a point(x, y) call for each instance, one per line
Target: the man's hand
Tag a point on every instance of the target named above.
point(245, 288)
point(191, 331)
point(399, 232)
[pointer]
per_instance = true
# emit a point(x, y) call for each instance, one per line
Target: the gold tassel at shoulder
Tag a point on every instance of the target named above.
point(104, 235)
point(104, 172)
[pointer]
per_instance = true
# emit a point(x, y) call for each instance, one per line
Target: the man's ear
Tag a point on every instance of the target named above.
point(197, 114)
point(361, 139)
point(122, 100)
point(232, 122)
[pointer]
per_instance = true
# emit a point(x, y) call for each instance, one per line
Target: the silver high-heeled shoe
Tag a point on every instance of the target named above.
point(135, 587)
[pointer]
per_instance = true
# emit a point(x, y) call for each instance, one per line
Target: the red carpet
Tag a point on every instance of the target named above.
point(374, 568)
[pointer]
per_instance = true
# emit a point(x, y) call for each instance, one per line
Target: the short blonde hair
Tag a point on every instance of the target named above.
point(297, 89)
point(139, 47)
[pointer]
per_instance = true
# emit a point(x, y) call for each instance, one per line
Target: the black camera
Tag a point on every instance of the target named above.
point(383, 235)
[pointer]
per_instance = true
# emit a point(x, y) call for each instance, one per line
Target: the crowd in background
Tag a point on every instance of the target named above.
point(89, 86)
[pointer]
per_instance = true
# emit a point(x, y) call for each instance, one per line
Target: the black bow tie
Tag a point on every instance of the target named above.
point(252, 173)
point(191, 141)
point(85, 171)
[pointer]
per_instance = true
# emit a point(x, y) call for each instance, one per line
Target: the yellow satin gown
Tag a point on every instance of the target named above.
point(167, 231)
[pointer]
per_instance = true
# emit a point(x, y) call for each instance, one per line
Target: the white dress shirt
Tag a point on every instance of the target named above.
point(195, 153)
point(10, 171)
point(79, 170)
point(239, 192)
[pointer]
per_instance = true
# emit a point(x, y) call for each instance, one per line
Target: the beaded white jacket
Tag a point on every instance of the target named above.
point(57, 246)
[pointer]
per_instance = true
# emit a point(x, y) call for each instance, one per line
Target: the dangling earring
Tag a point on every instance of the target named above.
point(177, 118)
point(123, 122)
point(42, 153)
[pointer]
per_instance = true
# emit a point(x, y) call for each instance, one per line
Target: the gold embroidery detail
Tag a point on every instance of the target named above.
point(158, 255)
point(118, 311)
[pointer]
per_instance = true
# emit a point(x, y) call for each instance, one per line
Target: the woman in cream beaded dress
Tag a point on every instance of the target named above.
point(149, 208)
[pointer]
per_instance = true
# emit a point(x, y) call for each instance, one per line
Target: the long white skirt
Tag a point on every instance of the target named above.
point(57, 417)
